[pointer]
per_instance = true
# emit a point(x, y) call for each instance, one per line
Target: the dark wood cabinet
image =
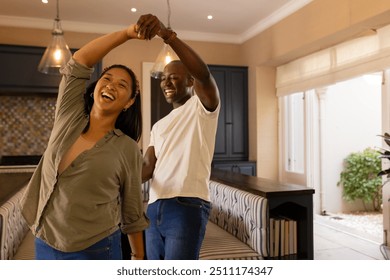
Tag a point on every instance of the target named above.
point(19, 74)
point(231, 144)
point(232, 133)
point(159, 105)
point(243, 167)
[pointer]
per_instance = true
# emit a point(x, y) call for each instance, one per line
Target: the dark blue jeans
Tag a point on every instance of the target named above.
point(108, 248)
point(177, 228)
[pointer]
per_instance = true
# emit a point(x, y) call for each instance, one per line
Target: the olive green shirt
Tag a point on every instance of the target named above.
point(98, 191)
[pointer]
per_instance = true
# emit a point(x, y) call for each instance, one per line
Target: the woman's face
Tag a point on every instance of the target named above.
point(113, 91)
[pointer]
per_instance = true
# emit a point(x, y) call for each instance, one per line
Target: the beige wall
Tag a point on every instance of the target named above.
point(320, 24)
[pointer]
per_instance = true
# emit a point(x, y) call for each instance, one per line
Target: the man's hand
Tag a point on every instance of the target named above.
point(147, 27)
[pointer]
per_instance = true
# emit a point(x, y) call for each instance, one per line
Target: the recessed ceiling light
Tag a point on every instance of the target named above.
point(45, 1)
point(133, 10)
point(209, 17)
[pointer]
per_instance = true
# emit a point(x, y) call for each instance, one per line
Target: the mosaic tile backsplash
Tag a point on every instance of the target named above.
point(25, 124)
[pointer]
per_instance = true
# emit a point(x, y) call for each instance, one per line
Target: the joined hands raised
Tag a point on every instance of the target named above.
point(147, 27)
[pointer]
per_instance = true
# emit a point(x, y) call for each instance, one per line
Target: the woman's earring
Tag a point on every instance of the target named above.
point(91, 95)
point(124, 110)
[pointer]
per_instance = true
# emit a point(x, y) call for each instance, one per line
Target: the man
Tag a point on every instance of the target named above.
point(178, 159)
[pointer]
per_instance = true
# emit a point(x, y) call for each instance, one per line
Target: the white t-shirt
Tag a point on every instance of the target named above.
point(184, 144)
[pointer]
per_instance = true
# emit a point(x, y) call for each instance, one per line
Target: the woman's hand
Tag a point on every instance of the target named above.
point(131, 32)
point(136, 257)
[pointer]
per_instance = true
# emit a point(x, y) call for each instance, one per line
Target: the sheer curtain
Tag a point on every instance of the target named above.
point(347, 60)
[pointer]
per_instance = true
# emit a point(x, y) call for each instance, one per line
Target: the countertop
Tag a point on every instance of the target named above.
point(264, 187)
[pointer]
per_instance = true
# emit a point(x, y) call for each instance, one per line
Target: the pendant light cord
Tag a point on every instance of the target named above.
point(58, 10)
point(57, 29)
point(169, 14)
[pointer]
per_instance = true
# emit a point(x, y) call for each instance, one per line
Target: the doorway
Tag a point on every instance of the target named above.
point(329, 123)
point(159, 106)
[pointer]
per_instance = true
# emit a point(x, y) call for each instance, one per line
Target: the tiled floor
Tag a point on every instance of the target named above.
point(332, 242)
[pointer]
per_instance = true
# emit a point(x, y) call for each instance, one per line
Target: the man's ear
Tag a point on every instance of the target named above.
point(190, 81)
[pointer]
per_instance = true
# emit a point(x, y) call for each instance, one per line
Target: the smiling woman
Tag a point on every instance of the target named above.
point(90, 174)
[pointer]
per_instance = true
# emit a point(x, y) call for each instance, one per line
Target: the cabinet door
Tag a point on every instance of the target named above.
point(222, 141)
point(247, 169)
point(159, 105)
point(19, 74)
point(238, 114)
point(232, 133)
point(242, 167)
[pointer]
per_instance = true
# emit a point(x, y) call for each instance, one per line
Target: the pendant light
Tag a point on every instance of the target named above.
point(166, 54)
point(57, 53)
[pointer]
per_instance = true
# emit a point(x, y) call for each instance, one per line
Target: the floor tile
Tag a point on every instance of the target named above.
point(331, 243)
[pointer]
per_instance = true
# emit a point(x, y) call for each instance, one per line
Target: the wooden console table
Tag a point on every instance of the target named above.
point(293, 201)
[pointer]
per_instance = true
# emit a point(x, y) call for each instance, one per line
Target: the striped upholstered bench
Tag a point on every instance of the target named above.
point(16, 240)
point(237, 227)
point(236, 230)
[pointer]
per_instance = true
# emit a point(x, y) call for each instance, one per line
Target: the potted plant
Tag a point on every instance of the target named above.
point(360, 179)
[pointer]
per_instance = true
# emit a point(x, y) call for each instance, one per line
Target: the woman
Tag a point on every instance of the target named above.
point(89, 178)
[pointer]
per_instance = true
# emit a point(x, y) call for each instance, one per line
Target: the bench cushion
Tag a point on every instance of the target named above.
point(13, 226)
point(240, 213)
point(221, 245)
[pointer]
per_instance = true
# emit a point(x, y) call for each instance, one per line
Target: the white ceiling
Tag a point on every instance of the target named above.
point(235, 21)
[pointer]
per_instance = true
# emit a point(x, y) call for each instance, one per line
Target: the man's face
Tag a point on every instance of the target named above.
point(176, 83)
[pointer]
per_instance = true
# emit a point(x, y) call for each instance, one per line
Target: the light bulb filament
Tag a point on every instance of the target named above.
point(57, 55)
point(168, 58)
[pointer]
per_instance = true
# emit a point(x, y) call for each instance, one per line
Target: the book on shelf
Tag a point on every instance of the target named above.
point(286, 237)
point(283, 237)
point(271, 237)
point(277, 238)
point(293, 236)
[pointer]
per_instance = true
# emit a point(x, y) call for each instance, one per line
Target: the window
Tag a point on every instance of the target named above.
point(294, 133)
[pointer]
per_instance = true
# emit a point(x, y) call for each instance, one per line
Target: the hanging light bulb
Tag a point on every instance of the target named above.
point(57, 53)
point(166, 55)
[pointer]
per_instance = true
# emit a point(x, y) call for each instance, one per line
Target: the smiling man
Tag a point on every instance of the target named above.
point(178, 159)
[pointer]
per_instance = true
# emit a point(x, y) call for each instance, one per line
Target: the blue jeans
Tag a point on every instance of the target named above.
point(177, 228)
point(108, 248)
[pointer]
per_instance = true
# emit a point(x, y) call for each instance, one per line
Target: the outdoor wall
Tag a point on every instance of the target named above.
point(352, 124)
